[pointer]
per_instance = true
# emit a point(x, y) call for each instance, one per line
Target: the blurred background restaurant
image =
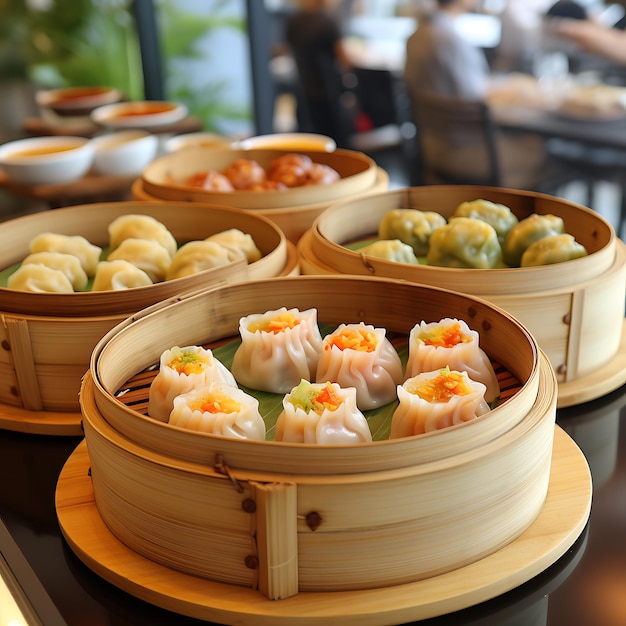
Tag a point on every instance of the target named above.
point(232, 64)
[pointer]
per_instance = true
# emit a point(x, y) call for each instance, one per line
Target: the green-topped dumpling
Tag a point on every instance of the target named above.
point(465, 242)
point(526, 232)
point(553, 249)
point(411, 226)
point(391, 250)
point(497, 215)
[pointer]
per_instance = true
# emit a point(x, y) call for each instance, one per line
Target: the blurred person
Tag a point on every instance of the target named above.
point(313, 34)
point(440, 61)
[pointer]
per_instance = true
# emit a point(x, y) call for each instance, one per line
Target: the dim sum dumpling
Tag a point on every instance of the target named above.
point(465, 242)
point(552, 249)
point(69, 264)
point(148, 255)
point(497, 215)
point(391, 250)
point(197, 256)
point(139, 226)
point(39, 279)
point(412, 227)
point(450, 343)
point(322, 413)
point(361, 356)
point(88, 253)
point(219, 410)
point(434, 400)
point(526, 232)
point(237, 242)
point(119, 275)
point(180, 371)
point(278, 349)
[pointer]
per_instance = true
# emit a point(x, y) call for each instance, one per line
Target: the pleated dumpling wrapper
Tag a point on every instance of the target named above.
point(450, 343)
point(322, 413)
point(435, 400)
point(139, 226)
point(181, 370)
point(87, 252)
point(219, 410)
point(278, 349)
point(361, 356)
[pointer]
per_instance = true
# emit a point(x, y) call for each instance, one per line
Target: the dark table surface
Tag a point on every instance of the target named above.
point(585, 587)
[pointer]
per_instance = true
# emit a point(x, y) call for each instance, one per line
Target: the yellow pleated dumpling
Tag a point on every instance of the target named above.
point(69, 264)
point(79, 246)
point(139, 226)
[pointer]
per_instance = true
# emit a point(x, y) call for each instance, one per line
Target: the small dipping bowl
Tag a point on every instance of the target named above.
point(124, 152)
point(289, 141)
point(139, 114)
point(46, 160)
point(76, 101)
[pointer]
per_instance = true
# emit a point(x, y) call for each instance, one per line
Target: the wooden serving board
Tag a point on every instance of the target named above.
point(41, 422)
point(557, 527)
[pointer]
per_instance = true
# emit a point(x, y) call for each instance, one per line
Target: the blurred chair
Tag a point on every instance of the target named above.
point(456, 141)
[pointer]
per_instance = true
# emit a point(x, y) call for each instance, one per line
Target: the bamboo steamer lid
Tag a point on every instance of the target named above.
point(575, 309)
point(325, 517)
point(47, 338)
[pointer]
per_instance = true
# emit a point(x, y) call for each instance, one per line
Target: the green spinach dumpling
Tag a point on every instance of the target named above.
point(553, 249)
point(391, 250)
point(526, 232)
point(497, 215)
point(411, 226)
point(465, 242)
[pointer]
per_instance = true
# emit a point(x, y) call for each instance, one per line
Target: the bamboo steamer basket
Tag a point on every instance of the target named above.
point(47, 338)
point(285, 518)
point(575, 310)
point(293, 210)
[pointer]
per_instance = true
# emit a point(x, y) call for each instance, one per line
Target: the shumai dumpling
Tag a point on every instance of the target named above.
point(391, 250)
point(526, 232)
point(553, 249)
point(465, 242)
point(411, 226)
point(498, 215)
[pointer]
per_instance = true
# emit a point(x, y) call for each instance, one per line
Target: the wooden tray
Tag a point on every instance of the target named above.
point(560, 522)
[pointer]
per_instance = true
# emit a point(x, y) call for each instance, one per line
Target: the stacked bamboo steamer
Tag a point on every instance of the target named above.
point(575, 310)
point(47, 338)
point(268, 521)
point(293, 209)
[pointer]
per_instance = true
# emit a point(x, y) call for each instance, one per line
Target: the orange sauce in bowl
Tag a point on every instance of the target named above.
point(145, 109)
point(77, 93)
point(41, 151)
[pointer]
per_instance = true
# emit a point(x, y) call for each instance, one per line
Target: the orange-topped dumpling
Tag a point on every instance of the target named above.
point(450, 343)
point(278, 349)
point(361, 356)
point(434, 400)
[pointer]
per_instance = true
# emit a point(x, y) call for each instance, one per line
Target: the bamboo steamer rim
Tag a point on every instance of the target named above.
point(77, 220)
point(335, 226)
point(109, 375)
point(358, 172)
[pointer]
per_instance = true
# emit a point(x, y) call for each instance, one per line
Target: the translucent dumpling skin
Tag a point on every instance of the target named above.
point(497, 215)
point(526, 232)
point(411, 226)
point(553, 249)
point(465, 242)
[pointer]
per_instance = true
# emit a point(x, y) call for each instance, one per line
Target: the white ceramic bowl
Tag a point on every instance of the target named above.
point(289, 141)
point(124, 152)
point(197, 140)
point(76, 101)
point(139, 114)
point(46, 160)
